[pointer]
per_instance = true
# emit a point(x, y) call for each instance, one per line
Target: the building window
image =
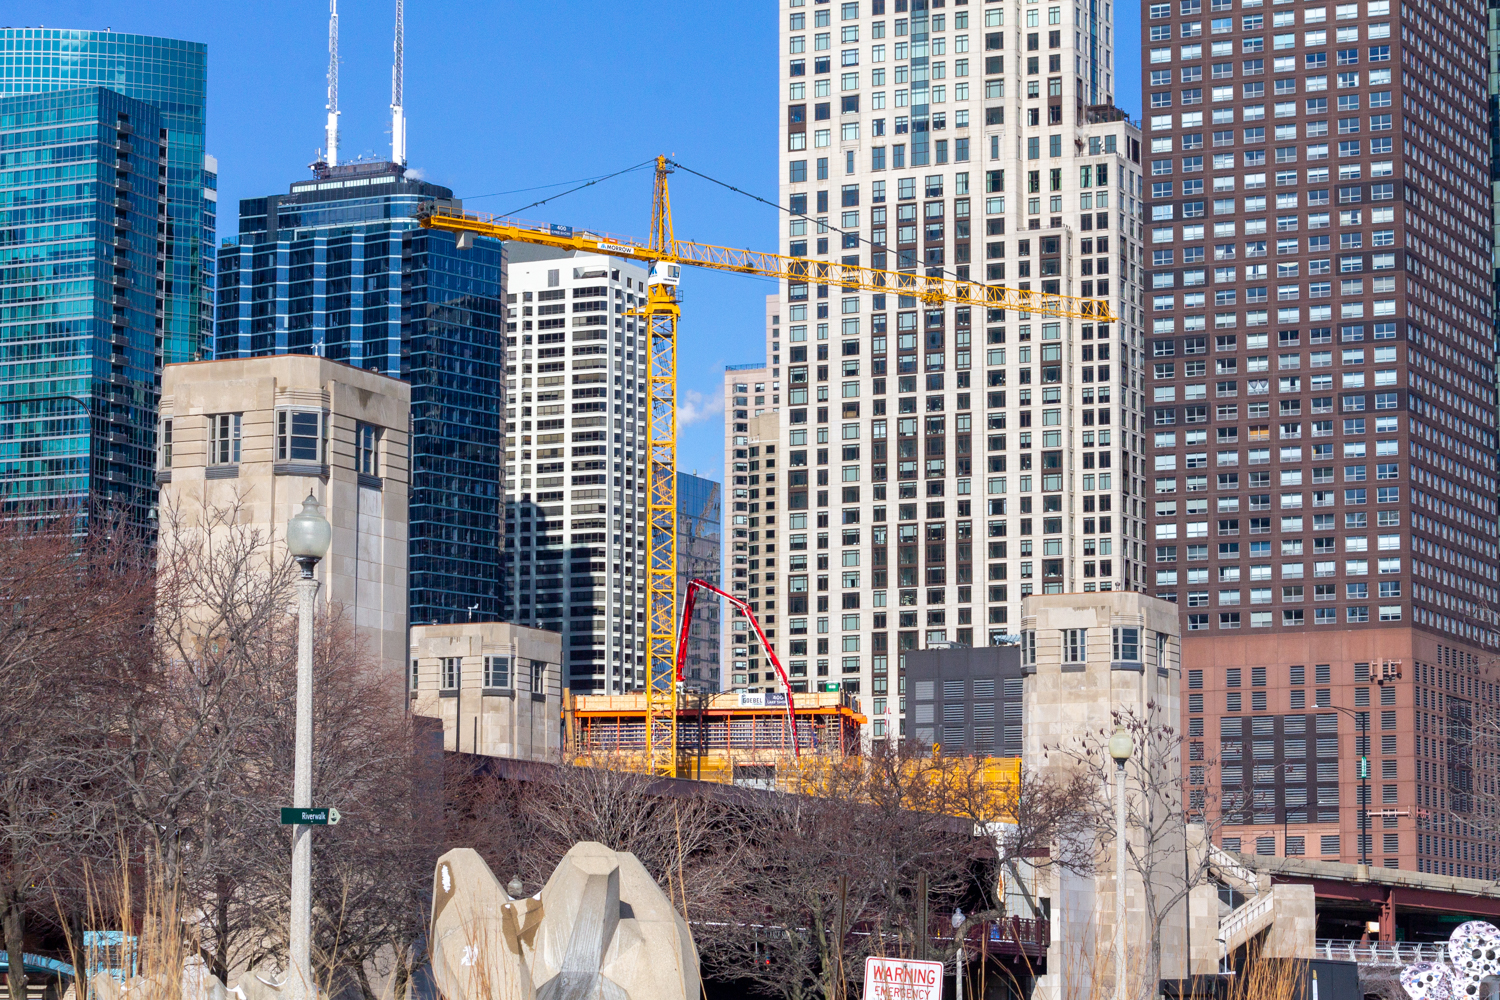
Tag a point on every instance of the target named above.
point(1075, 645)
point(538, 677)
point(166, 444)
point(1127, 645)
point(414, 675)
point(497, 671)
point(1028, 648)
point(224, 439)
point(451, 672)
point(368, 449)
point(299, 436)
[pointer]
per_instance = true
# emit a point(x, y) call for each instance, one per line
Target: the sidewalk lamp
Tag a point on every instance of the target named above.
point(307, 538)
point(1121, 748)
point(1362, 720)
point(959, 960)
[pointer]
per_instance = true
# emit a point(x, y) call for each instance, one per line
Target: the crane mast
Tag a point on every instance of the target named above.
point(665, 255)
point(661, 314)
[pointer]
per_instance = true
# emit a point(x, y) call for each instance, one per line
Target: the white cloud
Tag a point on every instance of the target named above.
point(694, 407)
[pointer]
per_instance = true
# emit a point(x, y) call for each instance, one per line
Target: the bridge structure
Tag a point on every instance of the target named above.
point(1361, 914)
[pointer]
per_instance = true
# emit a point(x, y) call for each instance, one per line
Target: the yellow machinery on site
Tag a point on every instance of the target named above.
point(665, 255)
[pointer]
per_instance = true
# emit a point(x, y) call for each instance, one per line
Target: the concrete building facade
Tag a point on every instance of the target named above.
point(255, 436)
point(1090, 660)
point(575, 457)
point(943, 462)
point(497, 688)
point(1327, 524)
point(752, 400)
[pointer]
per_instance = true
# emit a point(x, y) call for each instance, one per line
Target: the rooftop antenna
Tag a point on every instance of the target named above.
point(398, 87)
point(332, 128)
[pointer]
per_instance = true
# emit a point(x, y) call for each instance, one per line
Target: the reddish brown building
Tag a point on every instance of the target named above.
point(1321, 405)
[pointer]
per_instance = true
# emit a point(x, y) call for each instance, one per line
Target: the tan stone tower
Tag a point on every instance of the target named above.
point(257, 435)
point(1091, 661)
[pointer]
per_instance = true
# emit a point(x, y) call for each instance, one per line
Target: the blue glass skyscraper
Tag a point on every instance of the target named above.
point(339, 267)
point(81, 260)
point(106, 263)
point(172, 76)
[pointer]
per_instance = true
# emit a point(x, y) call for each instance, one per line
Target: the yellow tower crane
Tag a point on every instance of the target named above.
point(664, 254)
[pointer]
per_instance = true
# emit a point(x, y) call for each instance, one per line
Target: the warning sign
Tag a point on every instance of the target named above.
point(902, 979)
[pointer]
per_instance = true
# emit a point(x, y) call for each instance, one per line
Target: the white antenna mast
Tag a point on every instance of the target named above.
point(333, 83)
point(398, 87)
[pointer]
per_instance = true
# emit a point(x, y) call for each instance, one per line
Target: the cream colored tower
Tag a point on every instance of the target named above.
point(256, 435)
point(1091, 661)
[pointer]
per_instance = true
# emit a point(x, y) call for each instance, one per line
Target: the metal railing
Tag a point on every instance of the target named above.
point(1382, 952)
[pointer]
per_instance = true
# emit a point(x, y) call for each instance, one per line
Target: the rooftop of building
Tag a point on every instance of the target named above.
point(247, 367)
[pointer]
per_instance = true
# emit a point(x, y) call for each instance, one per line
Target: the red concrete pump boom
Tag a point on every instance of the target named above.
point(682, 640)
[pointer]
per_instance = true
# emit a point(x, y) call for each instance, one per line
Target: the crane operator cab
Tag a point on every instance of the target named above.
point(663, 273)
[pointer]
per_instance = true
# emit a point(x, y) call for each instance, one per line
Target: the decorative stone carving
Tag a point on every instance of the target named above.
point(600, 929)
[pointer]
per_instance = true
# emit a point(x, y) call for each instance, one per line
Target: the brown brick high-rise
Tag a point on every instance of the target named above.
point(1320, 388)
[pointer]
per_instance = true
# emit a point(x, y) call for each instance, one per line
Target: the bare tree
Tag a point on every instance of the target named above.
point(692, 844)
point(75, 591)
point(835, 869)
point(191, 748)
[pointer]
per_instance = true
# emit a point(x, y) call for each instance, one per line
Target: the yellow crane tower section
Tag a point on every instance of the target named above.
point(664, 254)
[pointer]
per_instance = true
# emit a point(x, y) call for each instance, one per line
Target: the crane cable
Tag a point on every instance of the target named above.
point(591, 183)
point(783, 208)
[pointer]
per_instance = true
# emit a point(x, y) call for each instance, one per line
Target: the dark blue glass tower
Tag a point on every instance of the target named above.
point(81, 264)
point(338, 267)
point(172, 76)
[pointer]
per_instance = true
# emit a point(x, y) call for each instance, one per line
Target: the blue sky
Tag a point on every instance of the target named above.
point(502, 96)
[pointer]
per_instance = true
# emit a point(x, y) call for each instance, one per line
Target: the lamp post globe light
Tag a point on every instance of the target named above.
point(308, 535)
point(1121, 748)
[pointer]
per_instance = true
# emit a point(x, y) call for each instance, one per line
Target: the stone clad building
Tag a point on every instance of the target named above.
point(497, 688)
point(260, 434)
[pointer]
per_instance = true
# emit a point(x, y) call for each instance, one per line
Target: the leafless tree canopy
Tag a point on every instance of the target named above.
point(155, 732)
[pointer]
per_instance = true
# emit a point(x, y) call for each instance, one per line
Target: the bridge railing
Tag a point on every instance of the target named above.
point(1382, 952)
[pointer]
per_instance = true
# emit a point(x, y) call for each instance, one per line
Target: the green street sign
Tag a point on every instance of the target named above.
point(291, 816)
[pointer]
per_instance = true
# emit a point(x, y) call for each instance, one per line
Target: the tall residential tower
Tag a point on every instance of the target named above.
point(575, 461)
point(937, 463)
point(1322, 413)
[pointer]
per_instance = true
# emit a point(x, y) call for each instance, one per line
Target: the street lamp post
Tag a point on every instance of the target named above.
point(307, 537)
point(1121, 747)
point(958, 960)
point(1361, 719)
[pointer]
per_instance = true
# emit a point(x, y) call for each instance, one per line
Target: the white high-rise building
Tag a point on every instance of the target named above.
point(937, 462)
point(752, 400)
point(575, 461)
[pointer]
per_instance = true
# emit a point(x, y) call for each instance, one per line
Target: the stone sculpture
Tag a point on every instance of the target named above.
point(600, 929)
point(1473, 956)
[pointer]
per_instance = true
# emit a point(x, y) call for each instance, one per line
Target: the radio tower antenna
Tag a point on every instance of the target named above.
point(398, 88)
point(332, 128)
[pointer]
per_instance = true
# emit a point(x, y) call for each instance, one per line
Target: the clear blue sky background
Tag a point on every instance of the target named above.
point(502, 96)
